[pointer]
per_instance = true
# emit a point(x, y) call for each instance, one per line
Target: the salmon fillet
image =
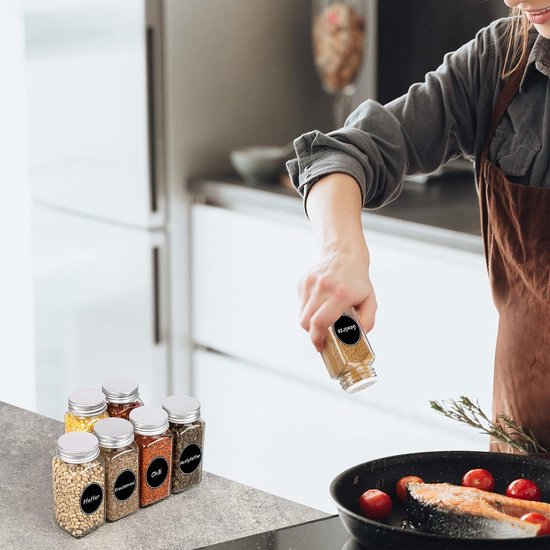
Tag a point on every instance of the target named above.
point(466, 512)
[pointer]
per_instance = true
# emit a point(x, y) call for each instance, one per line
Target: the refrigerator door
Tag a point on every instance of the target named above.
point(93, 148)
point(99, 307)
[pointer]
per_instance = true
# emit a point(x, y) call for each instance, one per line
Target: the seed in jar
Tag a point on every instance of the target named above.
point(78, 490)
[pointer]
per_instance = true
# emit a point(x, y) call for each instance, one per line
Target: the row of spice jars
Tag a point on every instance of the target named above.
point(127, 464)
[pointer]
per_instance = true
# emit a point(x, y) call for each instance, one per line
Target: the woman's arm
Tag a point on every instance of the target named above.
point(438, 120)
point(364, 164)
point(341, 278)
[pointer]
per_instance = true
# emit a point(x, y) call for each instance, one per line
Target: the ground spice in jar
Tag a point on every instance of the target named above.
point(348, 355)
point(122, 396)
point(86, 407)
point(154, 442)
point(120, 453)
point(188, 430)
point(78, 484)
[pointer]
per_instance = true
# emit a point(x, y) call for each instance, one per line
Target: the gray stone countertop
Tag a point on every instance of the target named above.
point(442, 211)
point(217, 510)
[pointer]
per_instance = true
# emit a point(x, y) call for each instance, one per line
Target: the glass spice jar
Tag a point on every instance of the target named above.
point(86, 407)
point(154, 441)
point(348, 355)
point(120, 453)
point(122, 396)
point(78, 484)
point(187, 427)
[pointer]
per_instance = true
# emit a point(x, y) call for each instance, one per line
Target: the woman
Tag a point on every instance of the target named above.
point(488, 101)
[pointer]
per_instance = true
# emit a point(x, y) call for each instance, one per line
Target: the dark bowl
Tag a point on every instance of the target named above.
point(260, 164)
point(432, 467)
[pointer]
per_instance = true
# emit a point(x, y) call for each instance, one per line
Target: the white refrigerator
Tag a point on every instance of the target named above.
point(100, 240)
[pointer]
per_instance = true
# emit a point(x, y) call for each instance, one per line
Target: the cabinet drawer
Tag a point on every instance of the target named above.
point(245, 272)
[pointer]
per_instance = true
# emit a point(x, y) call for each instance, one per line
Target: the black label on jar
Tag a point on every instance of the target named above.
point(157, 472)
point(347, 330)
point(190, 458)
point(91, 498)
point(125, 485)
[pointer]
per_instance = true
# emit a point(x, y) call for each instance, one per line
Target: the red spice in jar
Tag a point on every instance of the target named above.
point(154, 441)
point(122, 410)
point(122, 395)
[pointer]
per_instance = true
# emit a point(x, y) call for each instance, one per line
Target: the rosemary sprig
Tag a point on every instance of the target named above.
point(504, 429)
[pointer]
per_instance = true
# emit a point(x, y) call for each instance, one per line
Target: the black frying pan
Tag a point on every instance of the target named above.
point(432, 467)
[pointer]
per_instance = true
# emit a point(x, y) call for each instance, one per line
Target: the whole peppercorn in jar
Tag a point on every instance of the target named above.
point(86, 407)
point(120, 453)
point(78, 484)
point(154, 442)
point(122, 396)
point(187, 427)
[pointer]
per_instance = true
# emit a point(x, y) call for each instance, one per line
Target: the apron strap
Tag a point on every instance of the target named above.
point(507, 93)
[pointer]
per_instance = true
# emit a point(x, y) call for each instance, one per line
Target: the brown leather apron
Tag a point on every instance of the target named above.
point(516, 235)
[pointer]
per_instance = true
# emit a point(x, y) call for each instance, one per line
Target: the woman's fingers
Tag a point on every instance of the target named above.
point(340, 280)
point(305, 287)
point(329, 311)
point(317, 289)
point(367, 312)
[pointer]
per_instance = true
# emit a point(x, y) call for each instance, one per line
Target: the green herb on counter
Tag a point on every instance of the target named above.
point(503, 430)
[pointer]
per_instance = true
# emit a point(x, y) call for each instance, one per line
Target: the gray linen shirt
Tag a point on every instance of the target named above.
point(438, 120)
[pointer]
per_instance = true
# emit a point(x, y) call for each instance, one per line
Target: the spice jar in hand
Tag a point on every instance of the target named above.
point(122, 396)
point(78, 484)
point(347, 354)
point(187, 427)
point(120, 453)
point(154, 442)
point(86, 407)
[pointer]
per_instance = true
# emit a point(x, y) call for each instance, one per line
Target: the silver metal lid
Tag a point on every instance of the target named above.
point(149, 420)
point(87, 402)
point(182, 409)
point(114, 433)
point(120, 390)
point(77, 447)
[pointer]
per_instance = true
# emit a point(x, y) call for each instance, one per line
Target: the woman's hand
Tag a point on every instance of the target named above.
point(340, 280)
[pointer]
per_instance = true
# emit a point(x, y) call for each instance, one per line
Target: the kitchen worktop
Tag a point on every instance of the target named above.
point(444, 210)
point(218, 510)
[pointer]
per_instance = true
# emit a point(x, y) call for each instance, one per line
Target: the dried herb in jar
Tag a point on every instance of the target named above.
point(86, 407)
point(347, 354)
point(188, 430)
point(120, 453)
point(154, 442)
point(122, 396)
point(78, 484)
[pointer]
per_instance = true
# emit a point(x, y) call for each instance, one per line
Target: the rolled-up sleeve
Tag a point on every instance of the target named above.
point(434, 122)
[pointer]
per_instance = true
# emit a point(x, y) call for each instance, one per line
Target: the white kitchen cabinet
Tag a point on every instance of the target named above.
point(436, 324)
point(292, 438)
point(87, 84)
point(435, 330)
point(99, 308)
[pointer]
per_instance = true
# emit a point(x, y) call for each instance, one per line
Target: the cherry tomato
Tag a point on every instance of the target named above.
point(524, 489)
point(539, 519)
point(401, 486)
point(375, 504)
point(480, 479)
